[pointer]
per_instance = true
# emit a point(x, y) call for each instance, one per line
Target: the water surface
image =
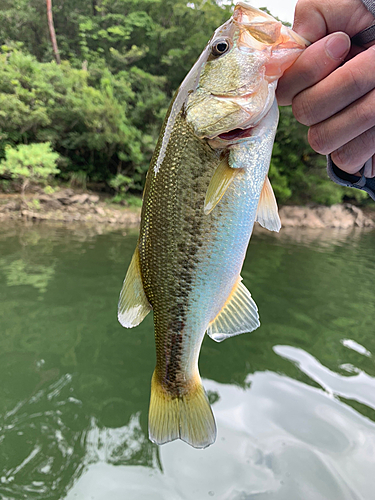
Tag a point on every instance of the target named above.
point(294, 401)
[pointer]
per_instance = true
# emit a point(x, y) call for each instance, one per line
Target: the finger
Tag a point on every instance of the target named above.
point(353, 155)
point(314, 64)
point(369, 167)
point(315, 19)
point(309, 22)
point(340, 129)
point(339, 89)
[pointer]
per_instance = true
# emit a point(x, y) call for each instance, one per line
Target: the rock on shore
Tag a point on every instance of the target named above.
point(68, 205)
point(319, 217)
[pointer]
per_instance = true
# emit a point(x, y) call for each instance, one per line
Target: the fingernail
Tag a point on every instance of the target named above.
point(338, 45)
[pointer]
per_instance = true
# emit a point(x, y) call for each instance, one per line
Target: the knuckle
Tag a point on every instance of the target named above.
point(305, 10)
point(310, 74)
point(367, 144)
point(303, 110)
point(342, 158)
point(357, 80)
point(317, 138)
point(351, 156)
point(301, 7)
point(365, 114)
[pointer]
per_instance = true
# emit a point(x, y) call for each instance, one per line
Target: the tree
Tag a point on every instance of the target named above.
point(52, 33)
point(103, 107)
point(29, 163)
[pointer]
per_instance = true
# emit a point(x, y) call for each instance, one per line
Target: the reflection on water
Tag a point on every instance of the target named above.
point(294, 401)
point(358, 387)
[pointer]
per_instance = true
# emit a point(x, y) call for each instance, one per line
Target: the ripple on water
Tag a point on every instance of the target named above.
point(280, 440)
point(294, 421)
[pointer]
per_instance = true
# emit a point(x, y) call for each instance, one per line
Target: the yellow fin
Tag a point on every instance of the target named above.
point(221, 180)
point(188, 417)
point(133, 305)
point(267, 212)
point(239, 315)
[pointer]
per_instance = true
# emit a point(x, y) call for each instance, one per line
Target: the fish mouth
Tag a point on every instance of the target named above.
point(235, 134)
point(230, 138)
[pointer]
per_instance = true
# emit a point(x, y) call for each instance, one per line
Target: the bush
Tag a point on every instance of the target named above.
point(29, 163)
point(103, 107)
point(85, 115)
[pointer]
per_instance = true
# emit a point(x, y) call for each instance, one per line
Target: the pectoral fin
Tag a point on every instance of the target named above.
point(220, 182)
point(133, 305)
point(239, 315)
point(267, 213)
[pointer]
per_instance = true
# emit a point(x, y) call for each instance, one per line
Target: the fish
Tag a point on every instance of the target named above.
point(206, 186)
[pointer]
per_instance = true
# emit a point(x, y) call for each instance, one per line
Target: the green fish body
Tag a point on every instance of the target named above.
point(206, 186)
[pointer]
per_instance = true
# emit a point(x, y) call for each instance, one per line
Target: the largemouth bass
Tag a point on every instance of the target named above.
point(206, 185)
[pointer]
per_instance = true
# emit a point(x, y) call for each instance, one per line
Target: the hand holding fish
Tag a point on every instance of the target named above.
point(336, 101)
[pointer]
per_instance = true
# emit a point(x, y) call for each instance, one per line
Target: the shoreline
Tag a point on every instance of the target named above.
point(68, 206)
point(72, 206)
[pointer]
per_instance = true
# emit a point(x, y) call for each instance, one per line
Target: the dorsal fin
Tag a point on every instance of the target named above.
point(239, 315)
point(221, 180)
point(267, 212)
point(133, 305)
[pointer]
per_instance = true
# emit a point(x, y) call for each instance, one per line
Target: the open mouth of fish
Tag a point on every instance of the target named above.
point(237, 133)
point(227, 139)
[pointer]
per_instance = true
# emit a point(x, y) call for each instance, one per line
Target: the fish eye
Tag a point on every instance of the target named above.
point(220, 47)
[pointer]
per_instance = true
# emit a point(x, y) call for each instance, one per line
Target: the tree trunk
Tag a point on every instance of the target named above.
point(25, 183)
point(52, 31)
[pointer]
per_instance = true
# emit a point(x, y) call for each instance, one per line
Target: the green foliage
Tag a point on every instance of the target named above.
point(29, 163)
point(102, 108)
point(5, 185)
point(49, 189)
point(297, 173)
point(22, 21)
point(134, 201)
point(126, 199)
point(86, 115)
point(78, 179)
point(34, 204)
point(121, 183)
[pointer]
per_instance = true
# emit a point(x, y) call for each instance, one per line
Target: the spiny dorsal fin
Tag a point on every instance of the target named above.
point(133, 305)
point(239, 315)
point(221, 180)
point(267, 213)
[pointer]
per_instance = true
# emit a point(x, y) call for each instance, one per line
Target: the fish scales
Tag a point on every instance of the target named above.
point(206, 186)
point(177, 231)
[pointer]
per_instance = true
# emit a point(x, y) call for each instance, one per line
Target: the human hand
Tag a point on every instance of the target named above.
point(336, 102)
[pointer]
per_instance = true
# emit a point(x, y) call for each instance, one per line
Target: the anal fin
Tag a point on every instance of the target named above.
point(239, 315)
point(133, 305)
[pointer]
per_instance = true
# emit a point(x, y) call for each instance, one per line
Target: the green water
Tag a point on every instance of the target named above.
point(294, 401)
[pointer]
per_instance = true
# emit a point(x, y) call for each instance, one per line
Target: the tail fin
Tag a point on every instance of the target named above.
point(188, 417)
